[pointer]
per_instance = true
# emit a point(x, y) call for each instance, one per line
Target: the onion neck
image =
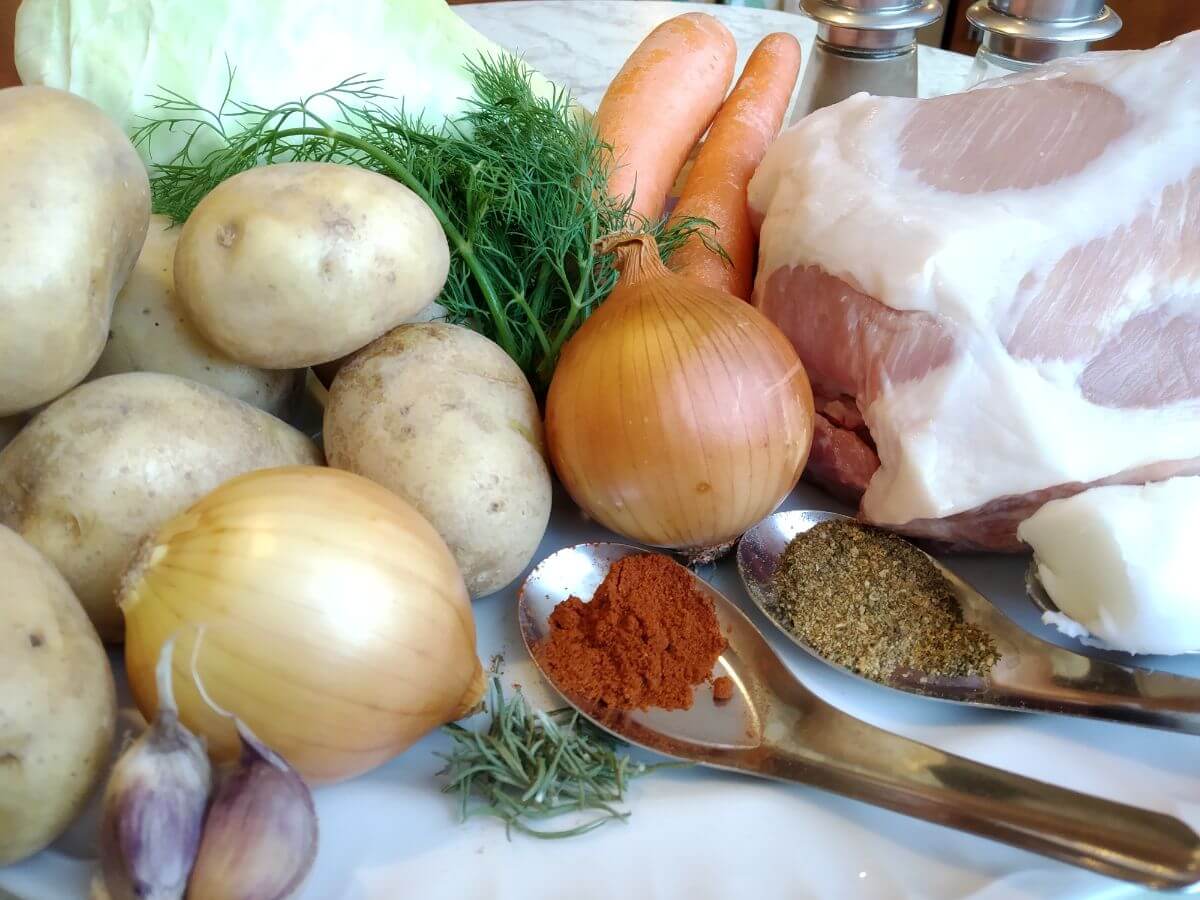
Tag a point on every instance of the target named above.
point(637, 256)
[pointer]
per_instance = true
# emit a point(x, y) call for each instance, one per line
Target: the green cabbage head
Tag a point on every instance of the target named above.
point(117, 53)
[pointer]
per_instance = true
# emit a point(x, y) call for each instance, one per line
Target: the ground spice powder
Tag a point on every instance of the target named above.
point(722, 689)
point(645, 639)
point(870, 601)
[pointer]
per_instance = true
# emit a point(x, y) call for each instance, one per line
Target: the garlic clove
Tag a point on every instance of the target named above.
point(153, 807)
point(260, 839)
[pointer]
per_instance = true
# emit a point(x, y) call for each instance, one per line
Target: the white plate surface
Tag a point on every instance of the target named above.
point(700, 834)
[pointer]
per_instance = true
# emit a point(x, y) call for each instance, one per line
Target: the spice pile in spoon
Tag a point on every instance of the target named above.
point(871, 602)
point(647, 638)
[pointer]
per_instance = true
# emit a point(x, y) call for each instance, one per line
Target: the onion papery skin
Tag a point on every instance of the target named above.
point(335, 622)
point(678, 415)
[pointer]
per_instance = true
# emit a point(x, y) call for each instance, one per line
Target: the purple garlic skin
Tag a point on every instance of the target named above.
point(260, 838)
point(153, 813)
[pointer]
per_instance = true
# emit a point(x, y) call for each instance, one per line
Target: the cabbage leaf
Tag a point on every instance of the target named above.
point(121, 53)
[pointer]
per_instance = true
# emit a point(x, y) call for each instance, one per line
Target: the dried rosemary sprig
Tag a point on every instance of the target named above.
point(530, 765)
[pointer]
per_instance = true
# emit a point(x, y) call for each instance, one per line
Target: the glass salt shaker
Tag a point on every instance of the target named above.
point(862, 45)
point(1021, 34)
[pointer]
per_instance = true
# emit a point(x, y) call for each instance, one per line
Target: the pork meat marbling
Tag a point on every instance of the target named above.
point(1004, 284)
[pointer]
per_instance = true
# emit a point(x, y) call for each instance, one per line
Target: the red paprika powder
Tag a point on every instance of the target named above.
point(646, 638)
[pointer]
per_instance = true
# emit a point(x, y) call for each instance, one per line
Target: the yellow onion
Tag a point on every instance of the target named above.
point(678, 415)
point(335, 622)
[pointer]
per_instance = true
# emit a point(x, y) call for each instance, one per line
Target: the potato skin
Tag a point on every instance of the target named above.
point(296, 264)
point(326, 372)
point(443, 417)
point(76, 203)
point(150, 333)
point(102, 467)
point(58, 706)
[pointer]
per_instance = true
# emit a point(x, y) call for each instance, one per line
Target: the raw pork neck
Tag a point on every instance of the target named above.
point(996, 293)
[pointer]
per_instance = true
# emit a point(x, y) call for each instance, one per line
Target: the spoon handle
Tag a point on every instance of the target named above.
point(1062, 681)
point(1038, 675)
point(828, 749)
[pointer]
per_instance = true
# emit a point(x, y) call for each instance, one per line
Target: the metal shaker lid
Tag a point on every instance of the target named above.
point(871, 24)
point(1037, 31)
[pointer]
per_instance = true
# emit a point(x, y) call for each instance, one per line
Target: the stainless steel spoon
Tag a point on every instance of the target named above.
point(1031, 674)
point(776, 728)
point(1036, 591)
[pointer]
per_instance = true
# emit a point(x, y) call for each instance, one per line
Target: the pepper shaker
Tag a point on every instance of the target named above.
point(1021, 34)
point(863, 45)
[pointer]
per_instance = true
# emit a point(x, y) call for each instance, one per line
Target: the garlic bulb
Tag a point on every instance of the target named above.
point(154, 804)
point(336, 624)
point(678, 415)
point(260, 837)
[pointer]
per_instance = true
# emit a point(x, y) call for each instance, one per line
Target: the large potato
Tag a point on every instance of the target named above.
point(296, 264)
point(444, 418)
point(326, 372)
point(57, 702)
point(9, 426)
point(150, 333)
point(74, 204)
point(96, 471)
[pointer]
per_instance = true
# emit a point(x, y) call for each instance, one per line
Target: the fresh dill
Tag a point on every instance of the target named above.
point(528, 766)
point(517, 183)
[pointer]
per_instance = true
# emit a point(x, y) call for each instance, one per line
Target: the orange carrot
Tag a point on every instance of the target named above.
point(661, 102)
point(716, 187)
point(8, 67)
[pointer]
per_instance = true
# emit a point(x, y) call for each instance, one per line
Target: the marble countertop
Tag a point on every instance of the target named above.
point(546, 33)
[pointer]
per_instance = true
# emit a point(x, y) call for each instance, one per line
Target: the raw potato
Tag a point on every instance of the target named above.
point(150, 333)
point(57, 706)
point(76, 202)
point(326, 372)
point(443, 417)
point(295, 264)
point(9, 427)
point(100, 468)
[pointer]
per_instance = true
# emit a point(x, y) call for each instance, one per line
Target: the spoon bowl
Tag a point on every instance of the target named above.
point(1030, 674)
point(774, 727)
point(577, 571)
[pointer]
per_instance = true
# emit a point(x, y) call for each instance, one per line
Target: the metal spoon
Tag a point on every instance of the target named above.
point(1036, 591)
point(776, 728)
point(1031, 674)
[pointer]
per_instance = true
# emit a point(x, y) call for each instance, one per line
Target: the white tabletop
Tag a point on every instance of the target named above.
point(703, 834)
